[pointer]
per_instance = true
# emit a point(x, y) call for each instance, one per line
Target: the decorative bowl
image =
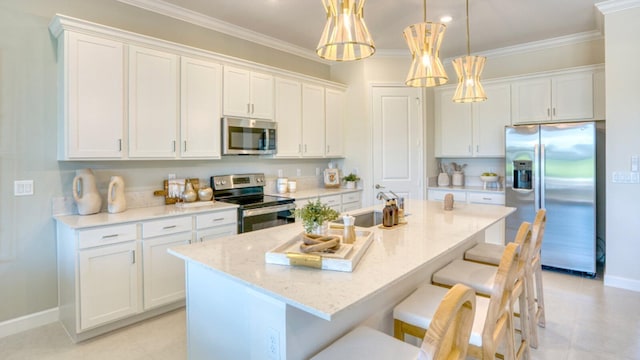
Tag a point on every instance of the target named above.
point(489, 178)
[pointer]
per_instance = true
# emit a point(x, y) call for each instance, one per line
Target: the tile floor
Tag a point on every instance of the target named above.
point(585, 321)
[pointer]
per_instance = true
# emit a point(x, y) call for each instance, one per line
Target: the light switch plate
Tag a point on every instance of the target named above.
point(23, 187)
point(634, 163)
point(625, 177)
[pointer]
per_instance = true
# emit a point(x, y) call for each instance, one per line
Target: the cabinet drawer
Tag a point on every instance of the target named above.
point(166, 226)
point(216, 232)
point(216, 219)
point(438, 195)
point(106, 235)
point(486, 198)
point(350, 197)
point(332, 200)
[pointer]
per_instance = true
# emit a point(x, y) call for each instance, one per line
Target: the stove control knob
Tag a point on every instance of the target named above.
point(218, 182)
point(224, 182)
point(259, 180)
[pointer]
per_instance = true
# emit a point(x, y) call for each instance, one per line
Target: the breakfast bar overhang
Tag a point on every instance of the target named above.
point(240, 307)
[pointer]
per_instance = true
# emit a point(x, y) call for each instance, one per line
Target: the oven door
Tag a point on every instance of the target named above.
point(248, 137)
point(266, 217)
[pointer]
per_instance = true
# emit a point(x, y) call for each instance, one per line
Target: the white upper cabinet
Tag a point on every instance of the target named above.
point(453, 126)
point(247, 93)
point(313, 120)
point(92, 108)
point(289, 117)
point(561, 97)
point(489, 120)
point(334, 127)
point(475, 129)
point(153, 103)
point(200, 108)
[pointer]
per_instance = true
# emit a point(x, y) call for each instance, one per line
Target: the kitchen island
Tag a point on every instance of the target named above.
point(240, 307)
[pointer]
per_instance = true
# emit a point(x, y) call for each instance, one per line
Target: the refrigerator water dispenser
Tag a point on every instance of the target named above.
point(522, 174)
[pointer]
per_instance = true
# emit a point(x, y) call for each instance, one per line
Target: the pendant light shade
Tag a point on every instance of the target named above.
point(345, 36)
point(469, 68)
point(424, 41)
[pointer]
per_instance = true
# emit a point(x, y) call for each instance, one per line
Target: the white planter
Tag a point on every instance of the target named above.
point(350, 184)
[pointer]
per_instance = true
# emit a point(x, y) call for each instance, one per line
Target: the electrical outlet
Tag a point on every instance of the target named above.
point(23, 187)
point(280, 173)
point(317, 171)
point(624, 177)
point(273, 344)
point(298, 172)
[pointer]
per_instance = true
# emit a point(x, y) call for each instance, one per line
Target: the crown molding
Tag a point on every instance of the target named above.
point(192, 17)
point(611, 6)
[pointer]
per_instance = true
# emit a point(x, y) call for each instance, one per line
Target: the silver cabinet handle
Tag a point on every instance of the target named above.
point(185, 146)
point(110, 236)
point(328, 149)
point(554, 111)
point(248, 108)
point(548, 112)
point(305, 148)
point(119, 145)
point(169, 227)
point(217, 219)
point(174, 146)
point(133, 256)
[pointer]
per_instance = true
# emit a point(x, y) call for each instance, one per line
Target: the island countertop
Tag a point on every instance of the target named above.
point(394, 254)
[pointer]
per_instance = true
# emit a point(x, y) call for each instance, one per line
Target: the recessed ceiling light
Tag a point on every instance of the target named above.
point(446, 19)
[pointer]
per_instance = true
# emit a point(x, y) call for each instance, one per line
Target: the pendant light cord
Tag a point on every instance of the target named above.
point(424, 9)
point(468, 41)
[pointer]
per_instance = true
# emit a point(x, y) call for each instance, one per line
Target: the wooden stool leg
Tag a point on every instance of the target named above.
point(539, 296)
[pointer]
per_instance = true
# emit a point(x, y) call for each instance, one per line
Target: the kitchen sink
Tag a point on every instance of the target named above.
point(366, 219)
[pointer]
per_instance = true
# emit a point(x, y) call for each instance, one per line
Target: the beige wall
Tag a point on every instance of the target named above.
point(623, 127)
point(28, 281)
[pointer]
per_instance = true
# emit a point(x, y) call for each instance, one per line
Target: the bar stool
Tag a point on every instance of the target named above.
point(446, 338)
point(486, 253)
point(493, 322)
point(478, 276)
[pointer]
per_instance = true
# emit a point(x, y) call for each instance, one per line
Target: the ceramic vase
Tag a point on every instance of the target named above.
point(457, 179)
point(205, 194)
point(443, 179)
point(116, 201)
point(85, 192)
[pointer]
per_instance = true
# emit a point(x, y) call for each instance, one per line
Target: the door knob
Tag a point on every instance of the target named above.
point(378, 186)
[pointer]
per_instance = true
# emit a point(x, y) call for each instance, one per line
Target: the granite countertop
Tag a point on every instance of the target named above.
point(138, 214)
point(393, 255)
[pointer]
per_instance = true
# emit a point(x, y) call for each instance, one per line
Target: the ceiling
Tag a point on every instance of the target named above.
point(297, 24)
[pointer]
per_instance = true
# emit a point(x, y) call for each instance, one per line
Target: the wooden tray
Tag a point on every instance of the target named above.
point(289, 253)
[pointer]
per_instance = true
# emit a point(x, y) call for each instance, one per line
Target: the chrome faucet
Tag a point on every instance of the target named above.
point(381, 195)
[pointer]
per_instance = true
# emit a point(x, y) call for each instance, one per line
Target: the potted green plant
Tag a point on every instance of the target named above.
point(351, 180)
point(315, 217)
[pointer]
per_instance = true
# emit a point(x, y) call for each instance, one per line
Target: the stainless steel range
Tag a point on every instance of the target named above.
point(256, 210)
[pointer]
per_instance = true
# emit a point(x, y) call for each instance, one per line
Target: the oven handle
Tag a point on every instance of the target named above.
point(267, 210)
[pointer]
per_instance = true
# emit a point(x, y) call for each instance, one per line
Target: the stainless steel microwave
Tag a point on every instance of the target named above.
point(242, 136)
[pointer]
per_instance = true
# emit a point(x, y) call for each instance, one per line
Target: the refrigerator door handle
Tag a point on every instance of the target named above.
point(542, 177)
point(536, 177)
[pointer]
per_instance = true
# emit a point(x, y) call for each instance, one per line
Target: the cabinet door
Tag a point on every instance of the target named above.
point(201, 109)
point(261, 96)
point(94, 97)
point(453, 125)
point(163, 272)
point(334, 127)
point(108, 284)
point(531, 101)
point(236, 98)
point(289, 117)
point(489, 119)
point(312, 121)
point(153, 103)
point(572, 96)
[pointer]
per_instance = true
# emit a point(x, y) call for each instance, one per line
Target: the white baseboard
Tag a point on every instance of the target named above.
point(28, 322)
point(623, 283)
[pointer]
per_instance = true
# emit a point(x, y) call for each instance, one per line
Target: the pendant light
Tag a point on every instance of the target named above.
point(424, 41)
point(345, 36)
point(469, 68)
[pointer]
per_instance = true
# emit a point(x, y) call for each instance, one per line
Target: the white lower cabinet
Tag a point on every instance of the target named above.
point(108, 286)
point(114, 275)
point(333, 201)
point(163, 273)
point(351, 201)
point(340, 202)
point(494, 234)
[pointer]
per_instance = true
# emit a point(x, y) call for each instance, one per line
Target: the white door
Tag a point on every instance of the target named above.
point(163, 273)
point(398, 148)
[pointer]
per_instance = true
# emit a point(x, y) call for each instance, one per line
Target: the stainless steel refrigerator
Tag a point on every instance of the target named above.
point(553, 166)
